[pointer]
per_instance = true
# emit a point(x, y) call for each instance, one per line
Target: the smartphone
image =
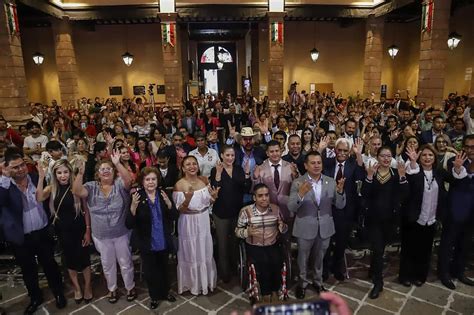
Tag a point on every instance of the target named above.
point(83, 125)
point(318, 307)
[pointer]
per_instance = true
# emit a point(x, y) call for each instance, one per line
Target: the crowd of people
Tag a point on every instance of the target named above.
point(163, 180)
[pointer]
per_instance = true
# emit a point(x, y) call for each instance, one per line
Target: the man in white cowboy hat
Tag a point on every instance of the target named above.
point(246, 150)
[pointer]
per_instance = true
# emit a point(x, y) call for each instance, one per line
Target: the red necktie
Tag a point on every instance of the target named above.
point(276, 176)
point(339, 173)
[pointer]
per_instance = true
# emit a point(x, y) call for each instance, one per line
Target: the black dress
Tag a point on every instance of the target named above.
point(70, 230)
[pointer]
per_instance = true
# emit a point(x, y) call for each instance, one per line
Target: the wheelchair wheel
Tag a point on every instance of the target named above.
point(242, 267)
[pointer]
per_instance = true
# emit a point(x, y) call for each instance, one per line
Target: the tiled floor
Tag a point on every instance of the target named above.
point(430, 299)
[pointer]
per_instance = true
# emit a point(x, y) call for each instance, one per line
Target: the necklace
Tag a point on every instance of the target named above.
point(429, 181)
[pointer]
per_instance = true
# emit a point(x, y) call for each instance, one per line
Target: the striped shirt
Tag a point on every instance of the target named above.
point(267, 224)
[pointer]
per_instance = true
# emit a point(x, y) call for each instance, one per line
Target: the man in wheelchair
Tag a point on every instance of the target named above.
point(260, 224)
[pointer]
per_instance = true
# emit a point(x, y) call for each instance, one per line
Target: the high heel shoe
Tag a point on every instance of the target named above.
point(78, 300)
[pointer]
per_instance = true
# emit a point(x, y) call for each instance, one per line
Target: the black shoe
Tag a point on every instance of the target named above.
point(448, 283)
point(375, 291)
point(418, 283)
point(466, 280)
point(339, 276)
point(300, 292)
point(405, 283)
point(87, 301)
point(33, 306)
point(319, 288)
point(170, 298)
point(154, 304)
point(61, 301)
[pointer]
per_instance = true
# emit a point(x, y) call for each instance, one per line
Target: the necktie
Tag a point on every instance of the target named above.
point(276, 176)
point(339, 172)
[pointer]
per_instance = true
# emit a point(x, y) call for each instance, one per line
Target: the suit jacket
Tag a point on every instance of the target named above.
point(278, 196)
point(427, 136)
point(141, 222)
point(258, 154)
point(311, 217)
point(170, 179)
point(461, 197)
point(352, 172)
point(184, 123)
point(11, 221)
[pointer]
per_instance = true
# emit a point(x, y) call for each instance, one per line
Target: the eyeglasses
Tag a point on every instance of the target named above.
point(105, 169)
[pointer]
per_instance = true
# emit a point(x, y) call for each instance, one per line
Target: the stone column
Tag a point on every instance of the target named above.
point(65, 62)
point(171, 63)
point(13, 91)
point(373, 55)
point(434, 56)
point(275, 60)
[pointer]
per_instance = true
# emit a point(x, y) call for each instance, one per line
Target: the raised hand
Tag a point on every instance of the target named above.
point(256, 172)
point(188, 195)
point(323, 143)
point(401, 168)
point(412, 154)
point(264, 126)
point(166, 199)
point(219, 169)
point(214, 191)
point(371, 169)
point(231, 129)
point(294, 170)
point(357, 146)
point(304, 188)
point(135, 201)
point(340, 185)
point(459, 161)
point(115, 157)
point(41, 170)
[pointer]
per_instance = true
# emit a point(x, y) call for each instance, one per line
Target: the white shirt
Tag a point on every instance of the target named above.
point(33, 143)
point(430, 200)
point(206, 161)
point(163, 172)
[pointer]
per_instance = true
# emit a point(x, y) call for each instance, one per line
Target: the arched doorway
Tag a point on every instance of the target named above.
point(217, 67)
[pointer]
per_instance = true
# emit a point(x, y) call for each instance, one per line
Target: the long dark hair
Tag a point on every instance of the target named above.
point(303, 143)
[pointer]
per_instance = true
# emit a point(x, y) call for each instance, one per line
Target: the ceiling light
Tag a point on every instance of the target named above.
point(38, 58)
point(453, 40)
point(393, 51)
point(314, 54)
point(127, 58)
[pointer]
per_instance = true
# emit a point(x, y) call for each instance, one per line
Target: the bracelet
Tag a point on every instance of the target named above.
point(88, 226)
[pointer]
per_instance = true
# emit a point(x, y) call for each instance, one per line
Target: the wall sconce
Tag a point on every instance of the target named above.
point(127, 59)
point(38, 58)
point(453, 40)
point(393, 51)
point(276, 5)
point(314, 54)
point(167, 6)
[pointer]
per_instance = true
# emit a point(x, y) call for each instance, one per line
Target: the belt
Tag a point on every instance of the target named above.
point(193, 212)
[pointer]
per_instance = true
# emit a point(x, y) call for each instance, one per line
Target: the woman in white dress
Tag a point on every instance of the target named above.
point(193, 196)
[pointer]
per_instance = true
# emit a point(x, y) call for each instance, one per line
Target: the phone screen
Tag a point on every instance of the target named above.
point(298, 308)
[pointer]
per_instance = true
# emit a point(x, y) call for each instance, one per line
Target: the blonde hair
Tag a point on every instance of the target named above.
point(55, 187)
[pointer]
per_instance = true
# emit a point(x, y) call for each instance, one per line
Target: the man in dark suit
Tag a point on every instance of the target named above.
point(429, 136)
point(25, 226)
point(313, 199)
point(189, 121)
point(330, 123)
point(232, 119)
point(169, 172)
point(343, 166)
point(457, 228)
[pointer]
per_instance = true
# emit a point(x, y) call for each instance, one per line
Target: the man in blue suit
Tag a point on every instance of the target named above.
point(24, 223)
point(457, 228)
point(343, 166)
point(429, 136)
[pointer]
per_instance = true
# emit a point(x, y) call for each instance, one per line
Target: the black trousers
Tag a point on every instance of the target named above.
point(40, 244)
point(454, 247)
point(415, 256)
point(155, 268)
point(268, 261)
point(334, 258)
point(380, 234)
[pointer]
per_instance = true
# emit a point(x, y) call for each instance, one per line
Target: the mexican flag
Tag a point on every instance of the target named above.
point(427, 16)
point(169, 34)
point(277, 32)
point(12, 19)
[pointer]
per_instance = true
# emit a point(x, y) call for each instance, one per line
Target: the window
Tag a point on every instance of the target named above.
point(208, 56)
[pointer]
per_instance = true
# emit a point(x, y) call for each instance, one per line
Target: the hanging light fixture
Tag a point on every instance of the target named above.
point(314, 54)
point(38, 58)
point(220, 64)
point(127, 59)
point(393, 51)
point(453, 40)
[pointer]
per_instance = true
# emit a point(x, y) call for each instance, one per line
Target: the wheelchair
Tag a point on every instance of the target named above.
point(247, 272)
